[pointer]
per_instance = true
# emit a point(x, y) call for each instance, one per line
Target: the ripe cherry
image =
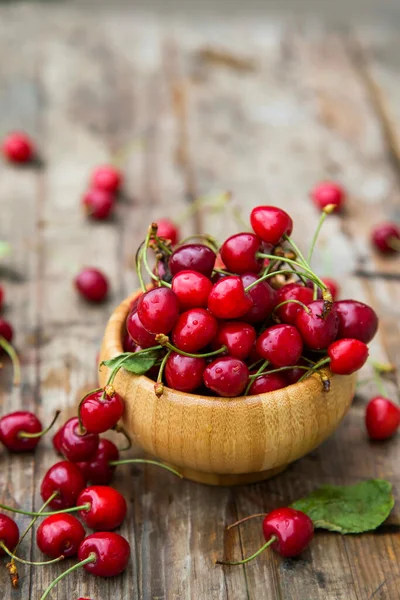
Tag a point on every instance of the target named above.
point(386, 238)
point(292, 291)
point(92, 284)
point(328, 192)
point(228, 300)
point(158, 310)
point(382, 418)
point(21, 431)
point(98, 204)
point(239, 251)
point(76, 446)
point(356, 320)
point(107, 177)
point(263, 297)
point(281, 345)
point(226, 376)
point(317, 331)
point(105, 507)
point(67, 480)
point(9, 533)
point(6, 330)
point(128, 344)
point(168, 230)
point(1, 297)
point(56, 441)
point(60, 535)
point(270, 223)
point(193, 257)
point(239, 338)
point(184, 373)
point(192, 289)
point(194, 330)
point(137, 331)
point(98, 470)
point(347, 356)
point(18, 147)
point(267, 383)
point(101, 410)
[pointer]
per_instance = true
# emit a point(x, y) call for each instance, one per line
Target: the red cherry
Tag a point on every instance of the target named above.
point(184, 373)
point(168, 230)
point(193, 257)
point(75, 446)
point(107, 177)
point(270, 223)
point(98, 204)
point(137, 332)
point(239, 338)
point(15, 424)
point(382, 418)
point(158, 310)
point(1, 297)
point(18, 147)
point(239, 253)
point(98, 470)
point(228, 300)
point(226, 376)
point(67, 480)
point(356, 320)
point(386, 238)
point(267, 383)
point(317, 331)
point(292, 291)
point(332, 286)
point(92, 284)
point(6, 330)
point(9, 533)
point(194, 330)
point(111, 554)
point(347, 356)
point(192, 289)
point(328, 192)
point(293, 375)
point(60, 535)
point(101, 411)
point(128, 344)
point(56, 441)
point(106, 508)
point(281, 345)
point(292, 529)
point(263, 296)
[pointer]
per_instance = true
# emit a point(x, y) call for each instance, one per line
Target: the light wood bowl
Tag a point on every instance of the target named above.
point(225, 441)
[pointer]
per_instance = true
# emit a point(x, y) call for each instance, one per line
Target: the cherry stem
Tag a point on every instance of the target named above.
point(162, 367)
point(316, 367)
point(138, 259)
point(31, 524)
point(279, 370)
point(164, 341)
point(249, 558)
point(46, 514)
point(265, 363)
point(119, 429)
point(296, 249)
point(128, 461)
point(379, 383)
point(326, 211)
point(143, 256)
point(290, 301)
point(160, 243)
point(91, 558)
point(10, 350)
point(236, 523)
point(394, 243)
point(26, 434)
point(383, 367)
point(28, 562)
point(222, 272)
point(269, 274)
point(211, 241)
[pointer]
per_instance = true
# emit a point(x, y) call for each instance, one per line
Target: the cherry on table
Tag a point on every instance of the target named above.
point(107, 177)
point(292, 291)
point(105, 507)
point(77, 446)
point(386, 238)
point(228, 299)
point(18, 147)
point(99, 471)
point(347, 356)
point(56, 440)
point(238, 337)
point(67, 480)
point(328, 192)
point(158, 310)
point(184, 373)
point(227, 376)
point(382, 418)
point(270, 223)
point(194, 330)
point(101, 410)
point(92, 284)
point(192, 289)
point(263, 297)
point(356, 320)
point(98, 204)
point(193, 257)
point(137, 332)
point(281, 345)
point(60, 535)
point(21, 431)
point(318, 331)
point(168, 230)
point(239, 251)
point(9, 533)
point(267, 383)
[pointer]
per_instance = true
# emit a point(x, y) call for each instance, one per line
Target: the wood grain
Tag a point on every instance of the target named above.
point(262, 108)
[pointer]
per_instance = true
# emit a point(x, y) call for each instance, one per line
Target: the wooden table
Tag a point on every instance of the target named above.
point(263, 107)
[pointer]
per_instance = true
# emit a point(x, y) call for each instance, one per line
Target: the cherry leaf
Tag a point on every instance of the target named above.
point(134, 362)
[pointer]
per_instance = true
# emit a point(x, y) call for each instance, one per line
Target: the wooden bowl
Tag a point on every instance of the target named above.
point(225, 441)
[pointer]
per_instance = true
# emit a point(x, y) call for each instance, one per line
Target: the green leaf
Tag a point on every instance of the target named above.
point(134, 362)
point(349, 509)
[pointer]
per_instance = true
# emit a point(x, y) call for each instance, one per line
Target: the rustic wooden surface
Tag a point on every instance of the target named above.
point(262, 107)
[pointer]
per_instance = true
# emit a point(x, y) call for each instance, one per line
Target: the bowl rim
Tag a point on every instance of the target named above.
point(114, 337)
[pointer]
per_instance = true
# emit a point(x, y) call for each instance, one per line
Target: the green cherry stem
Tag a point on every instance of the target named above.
point(164, 341)
point(119, 429)
point(249, 558)
point(129, 461)
point(326, 211)
point(279, 370)
point(31, 524)
point(159, 386)
point(316, 367)
point(91, 558)
point(292, 301)
point(296, 249)
point(29, 513)
point(150, 233)
point(379, 384)
point(138, 262)
point(26, 434)
point(10, 350)
point(236, 523)
point(28, 562)
point(265, 364)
